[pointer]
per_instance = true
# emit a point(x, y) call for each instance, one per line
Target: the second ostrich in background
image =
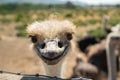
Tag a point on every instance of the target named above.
point(92, 40)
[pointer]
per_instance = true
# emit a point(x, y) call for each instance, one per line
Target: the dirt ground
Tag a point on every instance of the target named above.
point(16, 54)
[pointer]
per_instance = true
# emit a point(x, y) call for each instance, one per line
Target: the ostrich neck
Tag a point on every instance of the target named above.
point(53, 70)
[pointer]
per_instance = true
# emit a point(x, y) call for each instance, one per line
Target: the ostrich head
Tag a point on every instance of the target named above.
point(51, 39)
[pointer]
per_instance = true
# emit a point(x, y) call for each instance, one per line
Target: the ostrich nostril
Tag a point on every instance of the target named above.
point(43, 45)
point(60, 45)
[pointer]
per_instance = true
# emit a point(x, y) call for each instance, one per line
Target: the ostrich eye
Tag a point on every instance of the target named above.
point(33, 39)
point(69, 36)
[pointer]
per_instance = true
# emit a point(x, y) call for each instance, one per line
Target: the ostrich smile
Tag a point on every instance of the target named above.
point(52, 51)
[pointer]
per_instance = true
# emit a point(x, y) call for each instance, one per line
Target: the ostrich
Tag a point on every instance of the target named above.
point(104, 24)
point(85, 69)
point(113, 40)
point(97, 56)
point(89, 40)
point(54, 42)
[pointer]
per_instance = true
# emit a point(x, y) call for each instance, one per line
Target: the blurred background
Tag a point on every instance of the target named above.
point(15, 15)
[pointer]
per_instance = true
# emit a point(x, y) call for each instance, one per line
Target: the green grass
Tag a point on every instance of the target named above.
point(5, 20)
point(97, 32)
point(114, 21)
point(21, 30)
point(80, 23)
point(69, 15)
point(19, 17)
point(102, 11)
point(1, 29)
point(93, 21)
point(85, 23)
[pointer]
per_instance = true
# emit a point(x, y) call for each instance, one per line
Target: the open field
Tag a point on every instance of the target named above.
point(15, 52)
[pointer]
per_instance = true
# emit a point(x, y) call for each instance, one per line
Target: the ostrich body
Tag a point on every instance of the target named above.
point(97, 56)
point(85, 69)
point(54, 41)
point(86, 42)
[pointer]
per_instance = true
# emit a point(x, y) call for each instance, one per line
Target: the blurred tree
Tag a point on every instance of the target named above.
point(50, 6)
point(70, 5)
point(118, 5)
